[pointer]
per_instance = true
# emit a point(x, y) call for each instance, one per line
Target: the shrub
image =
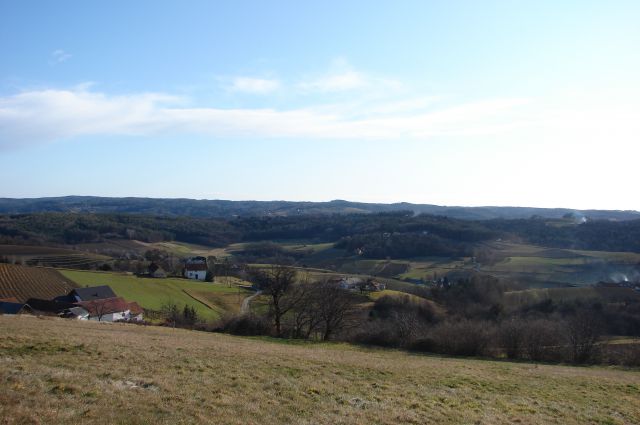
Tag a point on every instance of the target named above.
point(245, 325)
point(462, 338)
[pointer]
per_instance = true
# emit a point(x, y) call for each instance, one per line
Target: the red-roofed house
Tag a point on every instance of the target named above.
point(108, 310)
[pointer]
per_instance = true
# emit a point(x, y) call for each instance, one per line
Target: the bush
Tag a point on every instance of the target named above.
point(378, 332)
point(511, 336)
point(462, 338)
point(245, 325)
point(543, 341)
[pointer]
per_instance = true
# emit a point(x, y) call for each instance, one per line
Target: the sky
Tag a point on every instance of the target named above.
point(516, 103)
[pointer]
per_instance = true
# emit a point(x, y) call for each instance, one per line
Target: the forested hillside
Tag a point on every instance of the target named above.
point(397, 235)
point(222, 208)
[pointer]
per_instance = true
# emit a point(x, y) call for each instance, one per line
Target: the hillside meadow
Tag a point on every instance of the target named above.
point(60, 371)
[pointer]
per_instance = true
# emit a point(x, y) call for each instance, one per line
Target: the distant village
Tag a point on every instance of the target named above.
point(101, 303)
point(98, 303)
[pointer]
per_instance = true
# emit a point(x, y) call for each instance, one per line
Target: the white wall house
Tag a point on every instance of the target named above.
point(195, 268)
point(108, 310)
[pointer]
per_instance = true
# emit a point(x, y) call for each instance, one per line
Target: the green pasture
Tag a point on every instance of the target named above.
point(153, 293)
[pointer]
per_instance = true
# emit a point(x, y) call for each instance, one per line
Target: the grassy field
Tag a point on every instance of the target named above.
point(209, 299)
point(56, 371)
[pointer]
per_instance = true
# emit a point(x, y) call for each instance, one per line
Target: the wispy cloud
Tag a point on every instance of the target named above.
point(46, 115)
point(342, 77)
point(254, 85)
point(59, 56)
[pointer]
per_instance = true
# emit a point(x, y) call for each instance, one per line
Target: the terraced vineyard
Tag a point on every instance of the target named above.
point(32, 282)
point(73, 261)
point(48, 256)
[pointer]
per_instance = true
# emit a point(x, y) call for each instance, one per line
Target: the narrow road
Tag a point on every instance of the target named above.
point(244, 308)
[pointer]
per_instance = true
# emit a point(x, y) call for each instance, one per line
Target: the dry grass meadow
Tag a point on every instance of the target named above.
point(55, 371)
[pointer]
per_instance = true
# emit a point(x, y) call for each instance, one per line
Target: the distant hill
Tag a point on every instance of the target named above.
point(224, 208)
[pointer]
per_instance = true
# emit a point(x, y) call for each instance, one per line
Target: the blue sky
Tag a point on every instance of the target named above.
point(445, 102)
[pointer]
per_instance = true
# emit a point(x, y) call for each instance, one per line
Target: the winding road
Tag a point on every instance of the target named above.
point(244, 308)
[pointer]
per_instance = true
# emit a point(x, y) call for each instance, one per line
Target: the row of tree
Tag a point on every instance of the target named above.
point(471, 317)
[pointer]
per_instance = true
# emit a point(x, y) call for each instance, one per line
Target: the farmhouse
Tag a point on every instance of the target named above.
point(12, 306)
point(356, 283)
point(106, 310)
point(195, 268)
point(92, 293)
point(48, 307)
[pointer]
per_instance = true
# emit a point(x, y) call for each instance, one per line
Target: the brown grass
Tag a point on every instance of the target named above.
point(54, 371)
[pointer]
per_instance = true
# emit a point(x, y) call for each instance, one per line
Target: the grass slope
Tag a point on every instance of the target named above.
point(56, 371)
point(153, 293)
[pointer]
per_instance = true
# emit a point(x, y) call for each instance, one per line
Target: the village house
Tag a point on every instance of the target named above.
point(195, 268)
point(359, 284)
point(106, 310)
point(13, 306)
point(90, 293)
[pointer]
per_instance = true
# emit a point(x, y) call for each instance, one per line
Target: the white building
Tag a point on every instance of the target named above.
point(195, 268)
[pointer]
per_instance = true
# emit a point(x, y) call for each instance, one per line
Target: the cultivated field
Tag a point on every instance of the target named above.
point(32, 282)
point(211, 300)
point(47, 256)
point(57, 371)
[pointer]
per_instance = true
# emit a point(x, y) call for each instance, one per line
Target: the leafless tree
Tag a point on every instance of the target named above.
point(305, 318)
point(541, 339)
point(103, 307)
point(583, 332)
point(407, 325)
point(334, 305)
point(511, 335)
point(275, 282)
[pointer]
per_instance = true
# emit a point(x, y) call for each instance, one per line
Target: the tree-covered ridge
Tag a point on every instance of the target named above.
point(396, 234)
point(205, 208)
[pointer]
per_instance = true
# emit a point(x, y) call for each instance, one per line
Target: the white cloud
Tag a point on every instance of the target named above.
point(47, 115)
point(348, 80)
point(59, 56)
point(341, 77)
point(254, 85)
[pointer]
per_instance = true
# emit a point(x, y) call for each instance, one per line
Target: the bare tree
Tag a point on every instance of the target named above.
point(512, 337)
point(103, 307)
point(583, 331)
point(407, 325)
point(305, 319)
point(275, 282)
point(541, 339)
point(334, 305)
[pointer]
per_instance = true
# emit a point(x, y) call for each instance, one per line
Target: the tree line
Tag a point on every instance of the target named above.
point(470, 317)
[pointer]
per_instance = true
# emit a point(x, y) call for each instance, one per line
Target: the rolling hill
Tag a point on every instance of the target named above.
point(223, 208)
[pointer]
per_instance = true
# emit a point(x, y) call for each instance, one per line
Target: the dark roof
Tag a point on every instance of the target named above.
point(48, 306)
point(93, 293)
point(196, 267)
point(10, 308)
